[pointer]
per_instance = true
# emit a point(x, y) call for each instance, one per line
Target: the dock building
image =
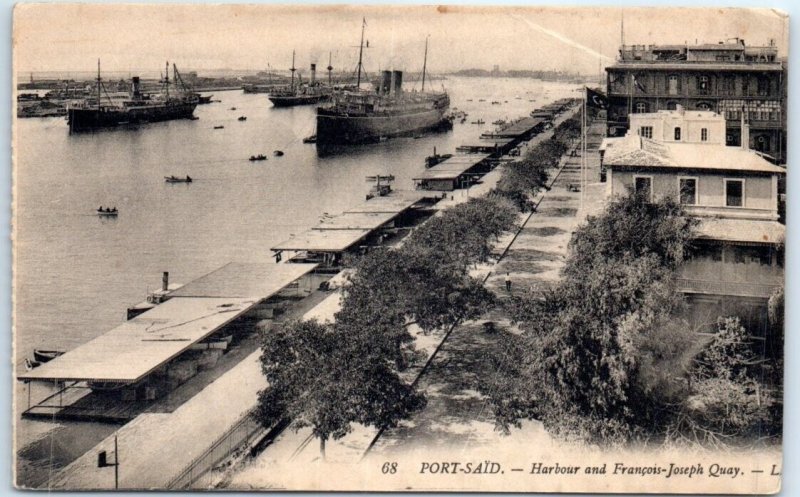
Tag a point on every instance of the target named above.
point(354, 231)
point(729, 78)
point(115, 376)
point(731, 191)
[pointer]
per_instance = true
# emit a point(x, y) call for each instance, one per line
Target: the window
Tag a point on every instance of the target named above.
point(643, 185)
point(673, 86)
point(677, 134)
point(688, 191)
point(641, 108)
point(704, 106)
point(728, 86)
point(703, 134)
point(646, 131)
point(672, 105)
point(734, 193)
point(702, 84)
point(763, 86)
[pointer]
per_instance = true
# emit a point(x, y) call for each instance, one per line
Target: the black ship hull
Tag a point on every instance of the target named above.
point(92, 119)
point(337, 129)
point(291, 101)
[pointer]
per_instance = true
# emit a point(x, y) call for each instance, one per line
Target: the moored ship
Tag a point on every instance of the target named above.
point(93, 114)
point(363, 116)
point(303, 94)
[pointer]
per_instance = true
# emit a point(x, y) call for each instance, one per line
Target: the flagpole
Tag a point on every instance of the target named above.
point(583, 144)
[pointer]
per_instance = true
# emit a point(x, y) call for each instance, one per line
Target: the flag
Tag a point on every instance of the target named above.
point(596, 99)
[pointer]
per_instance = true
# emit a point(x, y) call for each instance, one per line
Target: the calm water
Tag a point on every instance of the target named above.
point(76, 273)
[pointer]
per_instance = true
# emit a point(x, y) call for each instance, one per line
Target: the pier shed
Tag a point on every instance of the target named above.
point(151, 354)
point(520, 130)
point(494, 147)
point(364, 225)
point(458, 171)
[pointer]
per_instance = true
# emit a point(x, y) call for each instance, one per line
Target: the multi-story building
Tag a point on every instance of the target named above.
point(737, 260)
point(742, 83)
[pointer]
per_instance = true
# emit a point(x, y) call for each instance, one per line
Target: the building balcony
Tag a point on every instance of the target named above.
point(727, 288)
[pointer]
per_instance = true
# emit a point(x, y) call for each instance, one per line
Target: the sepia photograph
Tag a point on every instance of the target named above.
point(398, 248)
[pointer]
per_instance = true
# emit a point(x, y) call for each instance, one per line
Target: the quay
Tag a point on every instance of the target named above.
point(205, 429)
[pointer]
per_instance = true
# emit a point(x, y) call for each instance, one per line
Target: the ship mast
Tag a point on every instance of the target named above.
point(166, 79)
point(98, 83)
point(293, 69)
point(425, 62)
point(330, 68)
point(361, 53)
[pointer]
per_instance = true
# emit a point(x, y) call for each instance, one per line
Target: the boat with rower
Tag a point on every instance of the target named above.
point(107, 212)
point(175, 179)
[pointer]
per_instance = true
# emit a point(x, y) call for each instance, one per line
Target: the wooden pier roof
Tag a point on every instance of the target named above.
point(136, 348)
point(517, 129)
point(452, 168)
point(244, 279)
point(396, 202)
point(314, 240)
point(356, 221)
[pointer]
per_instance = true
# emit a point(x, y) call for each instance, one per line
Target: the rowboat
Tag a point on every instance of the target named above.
point(173, 179)
point(107, 212)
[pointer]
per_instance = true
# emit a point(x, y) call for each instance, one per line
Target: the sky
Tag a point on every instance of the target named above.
point(138, 38)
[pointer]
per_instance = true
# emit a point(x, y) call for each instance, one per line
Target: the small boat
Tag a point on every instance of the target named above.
point(42, 356)
point(278, 153)
point(479, 121)
point(434, 159)
point(482, 100)
point(258, 157)
point(310, 139)
point(107, 212)
point(175, 179)
point(495, 102)
point(194, 118)
point(233, 108)
point(243, 118)
point(219, 127)
point(469, 100)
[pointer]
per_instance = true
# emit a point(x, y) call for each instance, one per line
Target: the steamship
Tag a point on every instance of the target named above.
point(362, 116)
point(93, 113)
point(303, 94)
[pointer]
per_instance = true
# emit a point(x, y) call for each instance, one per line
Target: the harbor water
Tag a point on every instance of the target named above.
point(76, 272)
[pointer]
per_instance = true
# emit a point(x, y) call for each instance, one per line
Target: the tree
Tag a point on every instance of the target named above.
point(597, 338)
point(727, 403)
point(328, 377)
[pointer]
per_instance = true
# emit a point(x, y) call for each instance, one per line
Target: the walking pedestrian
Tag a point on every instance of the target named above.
point(508, 282)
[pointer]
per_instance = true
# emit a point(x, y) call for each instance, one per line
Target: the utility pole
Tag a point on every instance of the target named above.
point(102, 462)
